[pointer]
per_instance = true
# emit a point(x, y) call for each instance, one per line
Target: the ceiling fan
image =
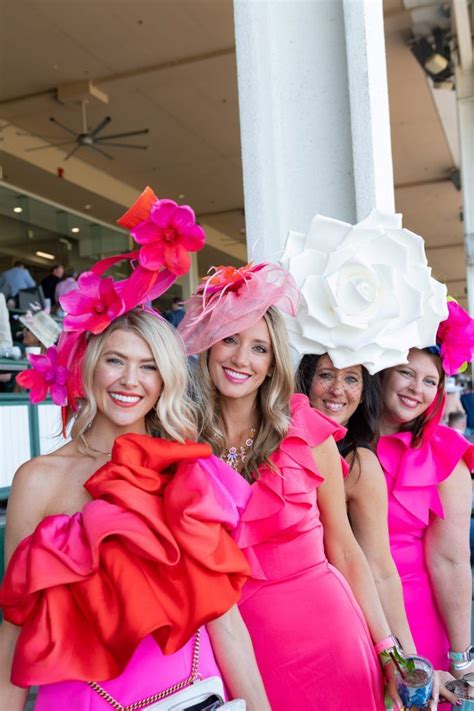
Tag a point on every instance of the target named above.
point(90, 138)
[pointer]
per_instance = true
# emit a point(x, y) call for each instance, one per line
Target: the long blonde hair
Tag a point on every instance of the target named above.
point(173, 416)
point(272, 403)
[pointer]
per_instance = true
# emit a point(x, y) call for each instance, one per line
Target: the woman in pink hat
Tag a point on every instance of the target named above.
point(317, 641)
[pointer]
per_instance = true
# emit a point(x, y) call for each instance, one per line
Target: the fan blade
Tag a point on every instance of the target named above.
point(125, 135)
point(100, 126)
point(61, 125)
point(71, 153)
point(119, 145)
point(50, 145)
point(94, 147)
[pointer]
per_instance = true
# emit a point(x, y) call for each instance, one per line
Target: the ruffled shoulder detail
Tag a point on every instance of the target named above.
point(415, 473)
point(150, 554)
point(282, 496)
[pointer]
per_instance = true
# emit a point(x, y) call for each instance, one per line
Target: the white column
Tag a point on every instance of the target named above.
point(465, 100)
point(296, 98)
point(190, 280)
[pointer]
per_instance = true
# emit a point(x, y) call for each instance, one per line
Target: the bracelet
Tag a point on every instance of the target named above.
point(460, 666)
point(460, 656)
point(388, 643)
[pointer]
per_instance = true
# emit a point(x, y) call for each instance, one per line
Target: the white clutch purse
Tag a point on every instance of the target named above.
point(191, 694)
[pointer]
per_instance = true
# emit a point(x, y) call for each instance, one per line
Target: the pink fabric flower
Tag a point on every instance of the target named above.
point(455, 338)
point(167, 237)
point(93, 305)
point(45, 374)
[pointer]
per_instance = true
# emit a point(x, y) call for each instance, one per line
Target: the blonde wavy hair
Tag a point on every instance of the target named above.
point(272, 403)
point(173, 416)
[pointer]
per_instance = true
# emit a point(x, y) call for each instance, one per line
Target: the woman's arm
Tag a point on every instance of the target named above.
point(12, 698)
point(26, 506)
point(341, 547)
point(366, 492)
point(447, 557)
point(236, 659)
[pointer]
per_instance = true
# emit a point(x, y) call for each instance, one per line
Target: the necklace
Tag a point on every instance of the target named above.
point(236, 456)
point(98, 451)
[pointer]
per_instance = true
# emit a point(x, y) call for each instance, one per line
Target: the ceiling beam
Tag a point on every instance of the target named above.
point(140, 71)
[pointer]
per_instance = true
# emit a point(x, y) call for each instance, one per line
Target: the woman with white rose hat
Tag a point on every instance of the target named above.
point(313, 646)
point(368, 297)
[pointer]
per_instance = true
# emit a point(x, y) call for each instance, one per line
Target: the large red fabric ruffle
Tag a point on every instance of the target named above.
point(417, 472)
point(281, 499)
point(150, 554)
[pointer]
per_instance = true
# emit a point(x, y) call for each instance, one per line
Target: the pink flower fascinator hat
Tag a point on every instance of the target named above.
point(165, 233)
point(455, 339)
point(231, 300)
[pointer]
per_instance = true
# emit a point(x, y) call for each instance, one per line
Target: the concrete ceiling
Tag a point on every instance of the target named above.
point(169, 65)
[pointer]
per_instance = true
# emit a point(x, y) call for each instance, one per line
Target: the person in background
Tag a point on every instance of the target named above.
point(457, 421)
point(15, 279)
point(50, 282)
point(453, 402)
point(467, 401)
point(69, 283)
point(176, 314)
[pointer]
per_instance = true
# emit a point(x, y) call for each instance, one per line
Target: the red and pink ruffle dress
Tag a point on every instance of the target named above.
point(118, 590)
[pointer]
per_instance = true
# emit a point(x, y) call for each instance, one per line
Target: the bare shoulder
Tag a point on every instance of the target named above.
point(35, 485)
point(38, 472)
point(366, 476)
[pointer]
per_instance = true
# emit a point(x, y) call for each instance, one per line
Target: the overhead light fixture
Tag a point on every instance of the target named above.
point(181, 196)
point(18, 209)
point(75, 230)
point(45, 255)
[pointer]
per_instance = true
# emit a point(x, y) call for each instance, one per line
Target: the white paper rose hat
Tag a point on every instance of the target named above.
point(367, 291)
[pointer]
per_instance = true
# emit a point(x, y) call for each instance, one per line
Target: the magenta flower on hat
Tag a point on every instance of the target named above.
point(93, 305)
point(455, 339)
point(167, 236)
point(45, 374)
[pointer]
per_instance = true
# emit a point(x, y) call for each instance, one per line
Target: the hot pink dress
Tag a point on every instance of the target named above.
point(311, 640)
point(413, 476)
point(115, 592)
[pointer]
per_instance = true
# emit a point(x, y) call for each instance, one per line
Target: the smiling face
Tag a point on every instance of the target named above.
point(127, 382)
point(336, 392)
point(239, 364)
point(408, 390)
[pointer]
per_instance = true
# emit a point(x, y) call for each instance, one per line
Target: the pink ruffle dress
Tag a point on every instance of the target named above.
point(310, 637)
point(101, 593)
point(413, 476)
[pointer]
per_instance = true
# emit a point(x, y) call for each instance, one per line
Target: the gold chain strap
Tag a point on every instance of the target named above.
point(194, 676)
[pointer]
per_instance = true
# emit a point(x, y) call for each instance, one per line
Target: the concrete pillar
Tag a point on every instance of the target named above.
point(465, 101)
point(313, 114)
point(190, 281)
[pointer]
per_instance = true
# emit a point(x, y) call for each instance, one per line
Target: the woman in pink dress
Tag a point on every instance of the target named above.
point(313, 637)
point(119, 543)
point(427, 467)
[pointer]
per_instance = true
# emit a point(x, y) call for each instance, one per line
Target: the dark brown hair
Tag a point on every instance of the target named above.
point(363, 425)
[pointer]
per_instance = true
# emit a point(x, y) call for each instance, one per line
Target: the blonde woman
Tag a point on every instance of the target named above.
point(313, 637)
point(118, 544)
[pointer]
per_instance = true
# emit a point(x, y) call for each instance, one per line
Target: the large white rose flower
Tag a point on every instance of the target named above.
point(367, 291)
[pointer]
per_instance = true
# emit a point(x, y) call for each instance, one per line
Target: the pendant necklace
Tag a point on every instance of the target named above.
point(236, 456)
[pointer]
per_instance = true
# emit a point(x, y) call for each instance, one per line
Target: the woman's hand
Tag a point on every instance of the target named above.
point(392, 698)
point(440, 678)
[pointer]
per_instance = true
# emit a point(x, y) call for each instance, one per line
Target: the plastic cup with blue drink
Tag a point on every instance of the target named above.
point(415, 686)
